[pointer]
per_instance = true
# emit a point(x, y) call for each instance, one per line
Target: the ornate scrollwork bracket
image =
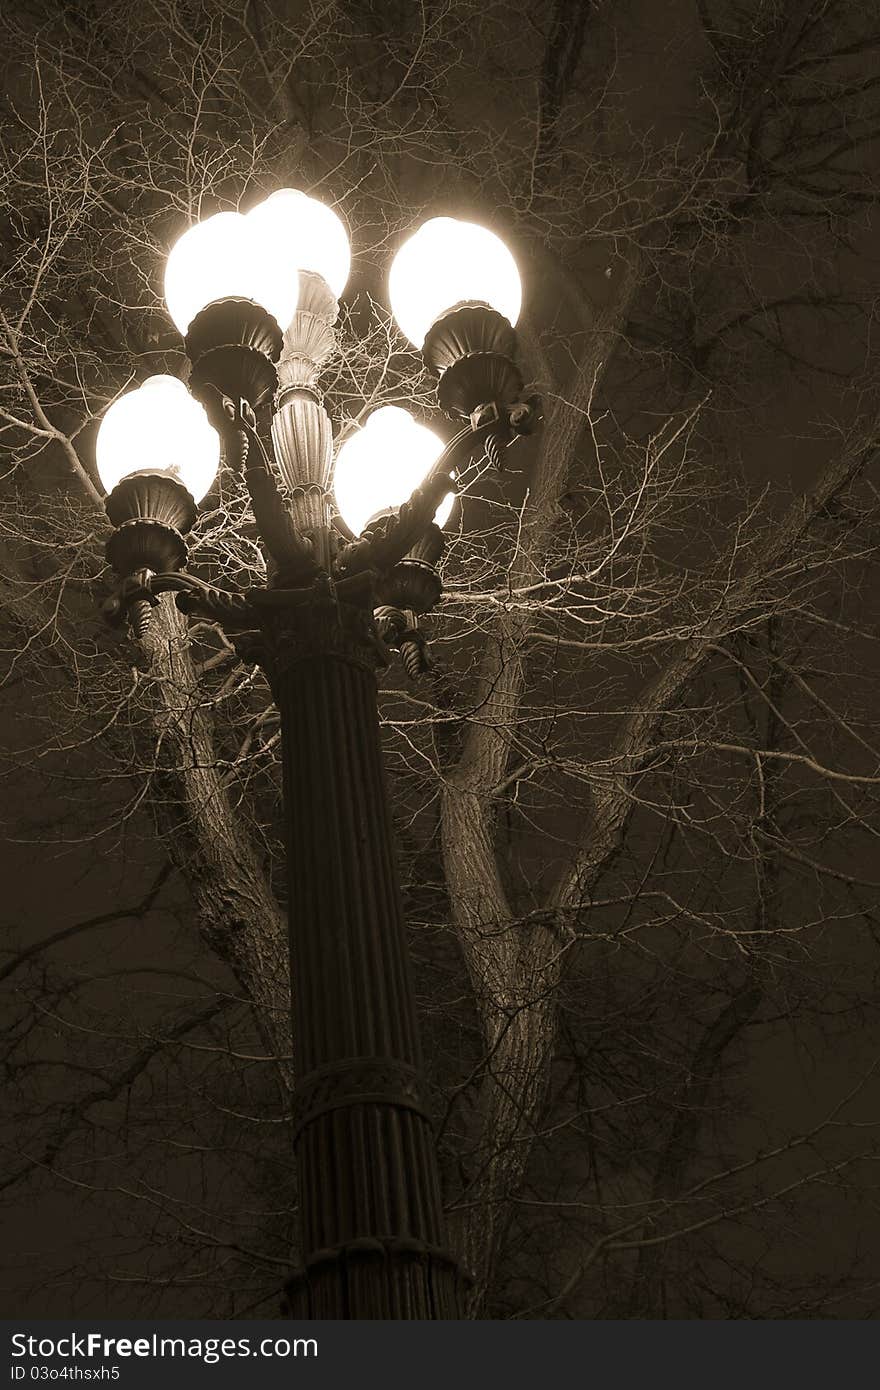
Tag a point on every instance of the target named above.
point(503, 425)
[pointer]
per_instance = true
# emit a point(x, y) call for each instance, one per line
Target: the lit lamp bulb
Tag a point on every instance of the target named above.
point(380, 465)
point(157, 456)
point(229, 256)
point(315, 240)
point(158, 428)
point(232, 289)
point(447, 263)
point(455, 291)
point(307, 235)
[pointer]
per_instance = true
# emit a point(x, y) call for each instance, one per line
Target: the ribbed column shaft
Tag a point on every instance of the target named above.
point(371, 1218)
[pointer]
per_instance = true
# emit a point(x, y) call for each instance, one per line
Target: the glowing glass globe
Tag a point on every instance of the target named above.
point(444, 263)
point(380, 465)
point(307, 234)
point(158, 428)
point(229, 255)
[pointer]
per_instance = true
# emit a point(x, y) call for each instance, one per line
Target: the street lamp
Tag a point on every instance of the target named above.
point(256, 297)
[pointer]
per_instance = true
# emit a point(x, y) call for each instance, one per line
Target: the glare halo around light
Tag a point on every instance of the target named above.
point(158, 428)
point(309, 235)
point(445, 262)
point(226, 256)
point(380, 465)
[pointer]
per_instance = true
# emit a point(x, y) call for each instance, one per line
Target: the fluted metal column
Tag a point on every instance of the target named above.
point(373, 1240)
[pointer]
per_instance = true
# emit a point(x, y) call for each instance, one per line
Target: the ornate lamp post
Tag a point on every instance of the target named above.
point(256, 297)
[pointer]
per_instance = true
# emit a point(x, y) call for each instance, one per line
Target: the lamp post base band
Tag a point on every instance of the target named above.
point(367, 1278)
point(357, 1081)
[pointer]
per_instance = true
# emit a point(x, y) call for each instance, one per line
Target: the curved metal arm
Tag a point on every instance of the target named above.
point(196, 597)
point(389, 538)
point(290, 551)
point(342, 528)
point(387, 541)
